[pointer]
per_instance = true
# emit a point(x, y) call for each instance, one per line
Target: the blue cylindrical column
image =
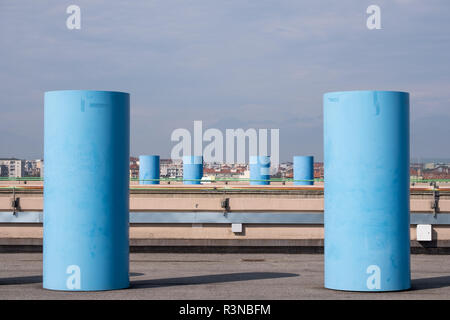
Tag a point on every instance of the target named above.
point(148, 169)
point(303, 170)
point(259, 170)
point(86, 190)
point(366, 155)
point(192, 169)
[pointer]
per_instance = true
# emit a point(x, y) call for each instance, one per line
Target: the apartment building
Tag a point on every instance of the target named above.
point(12, 168)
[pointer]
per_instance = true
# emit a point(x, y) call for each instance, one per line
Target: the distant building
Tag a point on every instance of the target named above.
point(225, 172)
point(318, 170)
point(33, 168)
point(171, 168)
point(174, 172)
point(429, 166)
point(40, 167)
point(134, 167)
point(3, 170)
point(15, 167)
point(288, 174)
point(439, 171)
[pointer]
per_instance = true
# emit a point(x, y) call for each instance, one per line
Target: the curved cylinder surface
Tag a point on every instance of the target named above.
point(259, 170)
point(303, 170)
point(192, 169)
point(366, 155)
point(148, 169)
point(86, 190)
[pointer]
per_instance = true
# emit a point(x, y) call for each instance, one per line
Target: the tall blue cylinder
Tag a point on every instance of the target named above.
point(303, 170)
point(86, 190)
point(192, 169)
point(366, 155)
point(148, 169)
point(259, 170)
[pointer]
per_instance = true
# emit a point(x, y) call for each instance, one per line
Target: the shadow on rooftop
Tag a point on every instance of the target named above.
point(208, 279)
point(38, 279)
point(20, 280)
point(430, 283)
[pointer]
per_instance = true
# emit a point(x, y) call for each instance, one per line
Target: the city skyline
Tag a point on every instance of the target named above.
point(173, 168)
point(239, 64)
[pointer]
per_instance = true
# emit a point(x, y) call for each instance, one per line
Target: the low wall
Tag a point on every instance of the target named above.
point(200, 218)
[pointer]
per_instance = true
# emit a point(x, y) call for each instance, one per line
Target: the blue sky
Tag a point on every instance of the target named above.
point(230, 63)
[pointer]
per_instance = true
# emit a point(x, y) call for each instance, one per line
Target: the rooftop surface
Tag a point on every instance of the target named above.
point(222, 276)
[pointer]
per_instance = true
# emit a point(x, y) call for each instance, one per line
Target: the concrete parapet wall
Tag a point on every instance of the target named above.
point(207, 201)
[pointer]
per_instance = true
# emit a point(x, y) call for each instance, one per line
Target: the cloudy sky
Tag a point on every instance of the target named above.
point(230, 63)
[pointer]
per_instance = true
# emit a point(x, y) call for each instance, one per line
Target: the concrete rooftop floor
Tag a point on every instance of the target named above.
point(222, 276)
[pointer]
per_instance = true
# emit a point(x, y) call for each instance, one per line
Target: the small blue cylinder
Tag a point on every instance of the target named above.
point(259, 170)
point(148, 169)
point(366, 155)
point(192, 169)
point(86, 190)
point(303, 170)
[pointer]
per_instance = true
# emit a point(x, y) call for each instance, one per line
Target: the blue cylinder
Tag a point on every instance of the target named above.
point(303, 170)
point(192, 169)
point(86, 190)
point(366, 155)
point(148, 169)
point(259, 170)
